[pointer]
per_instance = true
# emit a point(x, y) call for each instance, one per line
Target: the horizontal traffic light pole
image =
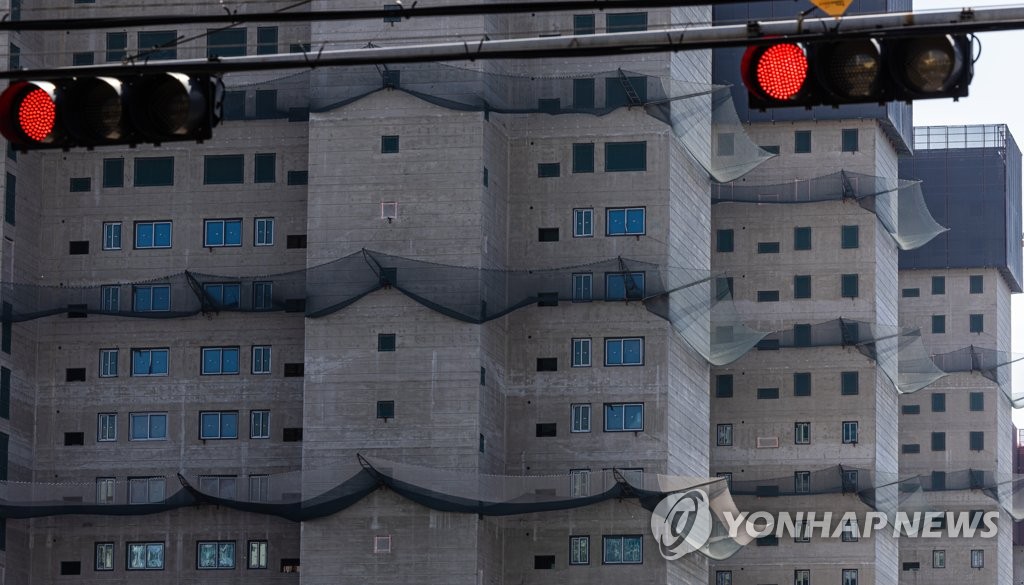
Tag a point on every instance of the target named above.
point(675, 39)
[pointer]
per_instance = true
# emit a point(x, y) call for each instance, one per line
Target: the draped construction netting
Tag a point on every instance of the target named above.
point(899, 204)
point(694, 111)
point(686, 297)
point(297, 496)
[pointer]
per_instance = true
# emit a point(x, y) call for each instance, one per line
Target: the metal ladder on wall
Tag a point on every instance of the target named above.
point(631, 94)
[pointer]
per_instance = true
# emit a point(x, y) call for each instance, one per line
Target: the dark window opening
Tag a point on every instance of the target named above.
point(386, 342)
point(295, 241)
point(292, 435)
point(547, 429)
point(70, 567)
point(547, 235)
point(547, 299)
point(71, 439)
point(78, 247)
point(294, 370)
point(74, 375)
point(544, 562)
point(547, 364)
point(385, 409)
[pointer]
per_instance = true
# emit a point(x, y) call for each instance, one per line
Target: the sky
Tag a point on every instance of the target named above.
point(993, 99)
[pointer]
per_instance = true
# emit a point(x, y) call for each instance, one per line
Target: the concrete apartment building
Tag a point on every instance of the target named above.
point(808, 425)
point(240, 402)
point(956, 289)
point(789, 412)
point(263, 405)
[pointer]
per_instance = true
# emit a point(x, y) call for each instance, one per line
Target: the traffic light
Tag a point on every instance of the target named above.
point(857, 71)
point(96, 111)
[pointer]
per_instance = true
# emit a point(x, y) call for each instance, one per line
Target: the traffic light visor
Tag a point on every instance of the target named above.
point(930, 65)
point(776, 72)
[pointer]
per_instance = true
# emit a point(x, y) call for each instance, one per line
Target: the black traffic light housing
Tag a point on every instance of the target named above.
point(97, 111)
point(855, 71)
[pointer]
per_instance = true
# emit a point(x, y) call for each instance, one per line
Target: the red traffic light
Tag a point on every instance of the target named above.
point(775, 72)
point(857, 71)
point(95, 111)
point(31, 112)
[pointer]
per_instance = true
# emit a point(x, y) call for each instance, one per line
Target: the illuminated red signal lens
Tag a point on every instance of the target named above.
point(37, 114)
point(781, 71)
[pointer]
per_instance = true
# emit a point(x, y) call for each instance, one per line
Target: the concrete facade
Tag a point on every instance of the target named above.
point(766, 443)
point(467, 397)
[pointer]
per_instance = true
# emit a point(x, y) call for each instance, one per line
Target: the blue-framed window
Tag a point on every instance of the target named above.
point(110, 297)
point(224, 295)
point(581, 352)
point(220, 361)
point(623, 286)
point(263, 232)
point(261, 359)
point(626, 221)
point(262, 296)
point(222, 232)
point(149, 362)
point(108, 363)
point(582, 287)
point(152, 234)
point(218, 425)
point(623, 550)
point(151, 297)
point(621, 416)
point(624, 351)
point(112, 235)
point(851, 431)
point(148, 426)
point(582, 223)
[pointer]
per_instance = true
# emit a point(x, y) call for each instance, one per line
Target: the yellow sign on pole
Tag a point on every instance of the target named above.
point(833, 7)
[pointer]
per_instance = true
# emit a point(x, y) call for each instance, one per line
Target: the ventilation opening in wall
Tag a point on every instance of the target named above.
point(543, 562)
point(547, 364)
point(382, 544)
point(547, 299)
point(547, 234)
point(547, 429)
point(75, 375)
point(389, 210)
point(78, 247)
point(292, 435)
point(294, 370)
point(71, 567)
point(385, 409)
point(71, 439)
